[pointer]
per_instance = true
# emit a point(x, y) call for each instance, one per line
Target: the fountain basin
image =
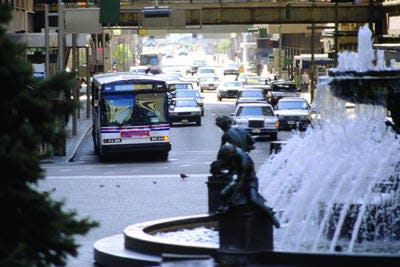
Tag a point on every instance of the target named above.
point(138, 246)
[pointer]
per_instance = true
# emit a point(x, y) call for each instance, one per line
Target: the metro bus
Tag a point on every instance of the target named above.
point(130, 115)
point(151, 60)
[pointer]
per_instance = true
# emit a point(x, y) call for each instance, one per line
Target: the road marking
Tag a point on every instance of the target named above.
point(127, 176)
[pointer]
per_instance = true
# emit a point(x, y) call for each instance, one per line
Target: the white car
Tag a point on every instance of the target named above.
point(293, 113)
point(210, 82)
point(257, 118)
point(184, 111)
point(228, 89)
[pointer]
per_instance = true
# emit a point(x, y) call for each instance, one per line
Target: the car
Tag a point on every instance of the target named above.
point(228, 89)
point(282, 88)
point(264, 87)
point(293, 113)
point(171, 77)
point(255, 80)
point(250, 95)
point(210, 82)
point(184, 111)
point(247, 76)
point(195, 64)
point(231, 69)
point(178, 85)
point(257, 118)
point(205, 71)
point(190, 94)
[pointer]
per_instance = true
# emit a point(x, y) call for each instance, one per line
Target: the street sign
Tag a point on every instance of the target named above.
point(82, 20)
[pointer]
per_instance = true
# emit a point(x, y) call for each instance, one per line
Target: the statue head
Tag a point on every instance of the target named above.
point(227, 152)
point(223, 122)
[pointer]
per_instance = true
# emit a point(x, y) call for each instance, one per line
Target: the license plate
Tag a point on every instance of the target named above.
point(184, 120)
point(291, 122)
point(256, 130)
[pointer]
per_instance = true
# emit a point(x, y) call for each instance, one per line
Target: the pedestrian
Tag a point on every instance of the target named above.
point(305, 81)
point(296, 79)
point(234, 135)
point(241, 68)
point(260, 67)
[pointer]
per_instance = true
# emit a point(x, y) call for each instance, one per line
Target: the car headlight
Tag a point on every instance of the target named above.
point(304, 117)
point(243, 123)
point(268, 123)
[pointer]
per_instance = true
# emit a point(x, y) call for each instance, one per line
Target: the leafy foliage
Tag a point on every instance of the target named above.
point(224, 45)
point(36, 229)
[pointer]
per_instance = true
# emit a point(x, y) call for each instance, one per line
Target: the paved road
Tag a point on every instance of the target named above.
point(121, 193)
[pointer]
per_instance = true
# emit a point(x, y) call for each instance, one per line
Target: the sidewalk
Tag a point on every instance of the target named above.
point(84, 125)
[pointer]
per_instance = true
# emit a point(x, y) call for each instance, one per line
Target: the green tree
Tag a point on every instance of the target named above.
point(224, 46)
point(36, 230)
point(123, 54)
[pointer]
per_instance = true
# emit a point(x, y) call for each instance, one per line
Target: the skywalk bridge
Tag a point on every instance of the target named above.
point(196, 13)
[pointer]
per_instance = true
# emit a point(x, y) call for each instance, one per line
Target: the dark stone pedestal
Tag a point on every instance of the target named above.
point(215, 184)
point(276, 146)
point(243, 232)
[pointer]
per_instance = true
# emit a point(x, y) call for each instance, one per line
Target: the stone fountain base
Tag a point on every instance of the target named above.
point(138, 246)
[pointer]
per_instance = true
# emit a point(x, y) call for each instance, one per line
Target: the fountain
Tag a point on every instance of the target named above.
point(336, 189)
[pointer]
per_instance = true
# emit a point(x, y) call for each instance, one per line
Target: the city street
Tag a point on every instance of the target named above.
point(124, 192)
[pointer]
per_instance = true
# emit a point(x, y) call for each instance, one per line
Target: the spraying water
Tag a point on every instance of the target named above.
point(337, 187)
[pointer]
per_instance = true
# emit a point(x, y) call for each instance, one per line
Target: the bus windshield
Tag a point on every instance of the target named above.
point(150, 59)
point(133, 109)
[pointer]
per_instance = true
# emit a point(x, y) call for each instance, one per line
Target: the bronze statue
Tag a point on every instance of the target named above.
point(234, 135)
point(243, 189)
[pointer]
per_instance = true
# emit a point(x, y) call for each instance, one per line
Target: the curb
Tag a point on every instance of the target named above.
point(75, 149)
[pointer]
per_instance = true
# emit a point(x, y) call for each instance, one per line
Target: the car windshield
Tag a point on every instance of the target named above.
point(248, 76)
point(186, 103)
point(251, 94)
point(232, 84)
point(179, 86)
point(292, 105)
point(284, 87)
point(255, 111)
point(209, 79)
point(232, 66)
point(206, 71)
point(184, 94)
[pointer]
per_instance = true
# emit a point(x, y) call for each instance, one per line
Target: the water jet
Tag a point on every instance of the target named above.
point(336, 189)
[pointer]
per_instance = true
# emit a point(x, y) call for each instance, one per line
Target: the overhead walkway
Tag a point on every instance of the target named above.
point(228, 12)
point(194, 13)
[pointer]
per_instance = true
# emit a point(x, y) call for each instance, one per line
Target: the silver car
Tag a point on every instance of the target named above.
point(229, 89)
point(210, 82)
point(191, 94)
point(293, 113)
point(257, 118)
point(184, 111)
